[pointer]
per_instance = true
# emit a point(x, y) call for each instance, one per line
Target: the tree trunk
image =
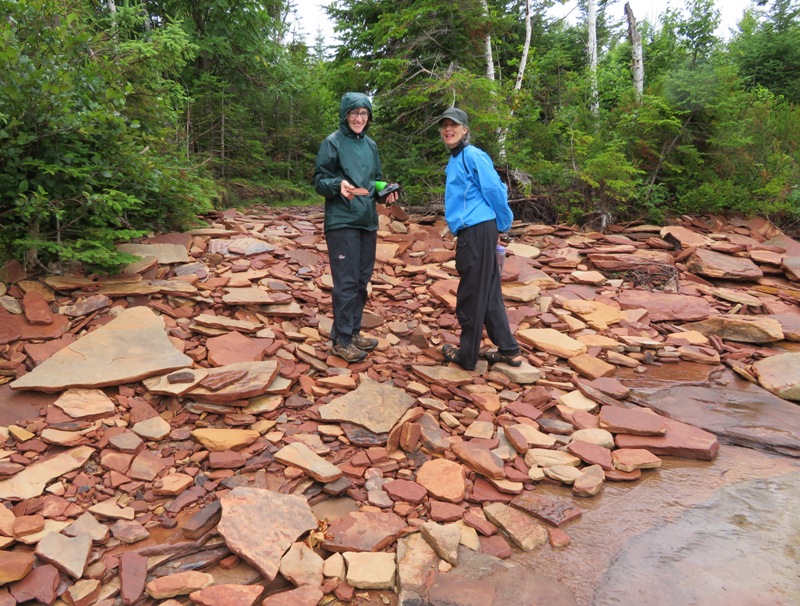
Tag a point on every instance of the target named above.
point(592, 25)
point(637, 65)
point(523, 62)
point(488, 46)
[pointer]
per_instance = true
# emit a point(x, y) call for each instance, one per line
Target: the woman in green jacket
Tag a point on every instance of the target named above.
point(346, 170)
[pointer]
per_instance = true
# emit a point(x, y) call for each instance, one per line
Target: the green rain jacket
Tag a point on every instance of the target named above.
point(352, 157)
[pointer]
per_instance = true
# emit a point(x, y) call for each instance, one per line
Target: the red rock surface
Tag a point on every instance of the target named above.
point(245, 307)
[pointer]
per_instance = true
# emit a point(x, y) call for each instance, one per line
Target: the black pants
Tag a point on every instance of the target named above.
point(352, 258)
point(479, 299)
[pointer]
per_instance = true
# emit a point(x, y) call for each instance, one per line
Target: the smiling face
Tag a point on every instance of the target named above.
point(357, 119)
point(452, 132)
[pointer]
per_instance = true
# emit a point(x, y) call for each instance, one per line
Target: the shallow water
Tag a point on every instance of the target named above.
point(690, 533)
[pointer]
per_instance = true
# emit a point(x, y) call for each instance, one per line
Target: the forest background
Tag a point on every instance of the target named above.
point(121, 118)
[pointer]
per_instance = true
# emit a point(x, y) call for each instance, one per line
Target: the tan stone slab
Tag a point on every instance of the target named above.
point(521, 293)
point(376, 406)
point(444, 375)
point(301, 456)
point(80, 403)
point(596, 314)
point(162, 384)
point(220, 439)
point(227, 323)
point(131, 347)
point(552, 341)
point(370, 570)
point(31, 481)
point(780, 374)
point(254, 296)
point(575, 399)
point(743, 329)
point(590, 367)
point(521, 528)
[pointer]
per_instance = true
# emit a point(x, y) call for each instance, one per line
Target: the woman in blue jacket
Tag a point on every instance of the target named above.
point(476, 210)
point(346, 170)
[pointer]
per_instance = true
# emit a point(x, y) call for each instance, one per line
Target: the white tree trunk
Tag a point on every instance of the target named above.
point(112, 8)
point(488, 46)
point(637, 65)
point(503, 132)
point(592, 25)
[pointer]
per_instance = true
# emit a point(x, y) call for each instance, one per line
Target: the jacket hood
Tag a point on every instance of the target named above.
point(349, 102)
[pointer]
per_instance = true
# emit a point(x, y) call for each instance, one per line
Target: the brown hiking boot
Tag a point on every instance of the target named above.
point(349, 352)
point(364, 343)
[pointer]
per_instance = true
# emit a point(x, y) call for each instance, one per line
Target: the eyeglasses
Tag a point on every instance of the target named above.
point(363, 114)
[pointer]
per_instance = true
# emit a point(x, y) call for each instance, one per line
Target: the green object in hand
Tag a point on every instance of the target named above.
point(380, 185)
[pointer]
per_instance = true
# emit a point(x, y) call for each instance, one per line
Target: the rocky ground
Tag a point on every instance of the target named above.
point(180, 434)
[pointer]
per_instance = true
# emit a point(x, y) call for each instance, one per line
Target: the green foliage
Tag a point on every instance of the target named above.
point(77, 173)
point(767, 53)
point(117, 124)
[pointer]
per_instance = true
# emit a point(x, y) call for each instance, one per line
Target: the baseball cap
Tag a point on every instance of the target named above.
point(459, 116)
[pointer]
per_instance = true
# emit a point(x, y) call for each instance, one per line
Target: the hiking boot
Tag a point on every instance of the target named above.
point(349, 352)
point(364, 343)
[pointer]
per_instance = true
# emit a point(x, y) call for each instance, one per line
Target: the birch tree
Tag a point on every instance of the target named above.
point(637, 66)
point(520, 78)
point(591, 21)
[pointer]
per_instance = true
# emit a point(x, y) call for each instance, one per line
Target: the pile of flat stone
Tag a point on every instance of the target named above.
point(182, 435)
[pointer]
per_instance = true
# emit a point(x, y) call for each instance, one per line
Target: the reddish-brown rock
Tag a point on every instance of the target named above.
point(40, 585)
point(132, 576)
point(227, 595)
point(364, 531)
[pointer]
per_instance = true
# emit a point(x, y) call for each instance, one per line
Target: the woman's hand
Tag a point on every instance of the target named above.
point(347, 190)
point(390, 199)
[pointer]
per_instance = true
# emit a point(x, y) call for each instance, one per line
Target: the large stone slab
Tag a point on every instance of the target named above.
point(376, 406)
point(260, 525)
point(667, 307)
point(718, 265)
point(552, 341)
point(741, 413)
point(131, 347)
point(742, 329)
point(31, 481)
point(681, 440)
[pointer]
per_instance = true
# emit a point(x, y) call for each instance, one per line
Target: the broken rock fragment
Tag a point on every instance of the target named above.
point(302, 457)
point(260, 525)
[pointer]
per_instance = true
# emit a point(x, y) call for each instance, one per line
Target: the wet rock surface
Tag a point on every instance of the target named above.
point(182, 433)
